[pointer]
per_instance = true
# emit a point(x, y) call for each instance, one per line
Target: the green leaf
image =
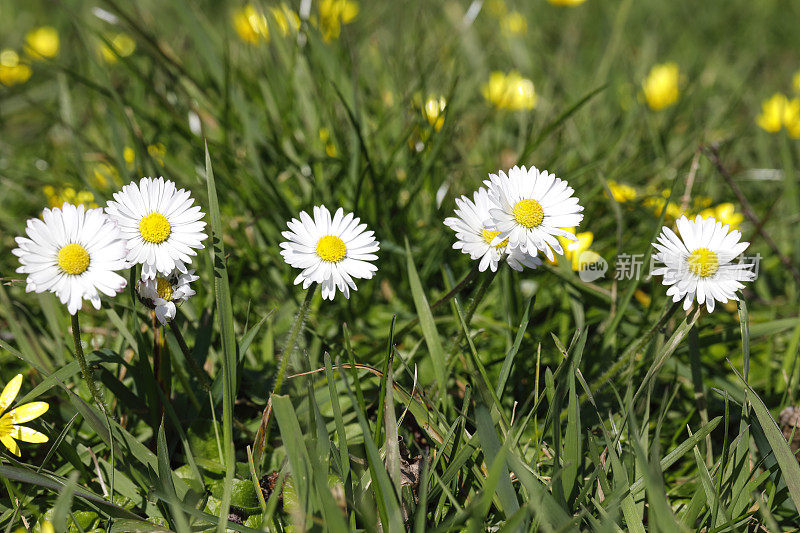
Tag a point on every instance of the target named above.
point(432, 339)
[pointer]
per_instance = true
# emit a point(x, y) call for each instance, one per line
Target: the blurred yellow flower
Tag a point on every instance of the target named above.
point(12, 71)
point(777, 112)
point(642, 297)
point(566, 2)
point(41, 43)
point(656, 204)
point(510, 91)
point(10, 430)
point(433, 111)
point(514, 23)
point(620, 192)
point(157, 152)
point(661, 86)
point(791, 118)
point(771, 117)
point(122, 45)
point(57, 197)
point(334, 13)
point(325, 137)
point(251, 25)
point(104, 175)
point(286, 19)
point(725, 213)
point(573, 250)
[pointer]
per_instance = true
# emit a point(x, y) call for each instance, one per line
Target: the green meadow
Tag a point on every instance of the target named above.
point(575, 396)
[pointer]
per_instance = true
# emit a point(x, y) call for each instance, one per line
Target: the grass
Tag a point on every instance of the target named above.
point(436, 398)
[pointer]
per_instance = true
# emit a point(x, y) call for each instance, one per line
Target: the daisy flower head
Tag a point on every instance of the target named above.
point(164, 293)
point(160, 224)
point(700, 262)
point(330, 251)
point(531, 208)
point(475, 239)
point(10, 430)
point(72, 252)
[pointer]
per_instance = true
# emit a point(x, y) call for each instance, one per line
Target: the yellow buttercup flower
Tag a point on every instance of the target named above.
point(157, 152)
point(642, 297)
point(10, 430)
point(661, 86)
point(285, 18)
point(771, 117)
point(433, 111)
point(58, 197)
point(510, 91)
point(514, 23)
point(12, 71)
point(566, 2)
point(251, 25)
point(122, 45)
point(334, 13)
point(325, 137)
point(574, 250)
point(104, 175)
point(620, 192)
point(674, 211)
point(725, 213)
point(41, 43)
point(791, 118)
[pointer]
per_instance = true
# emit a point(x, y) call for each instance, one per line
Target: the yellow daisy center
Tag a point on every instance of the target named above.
point(164, 288)
point(155, 228)
point(528, 213)
point(489, 235)
point(73, 259)
point(703, 262)
point(331, 248)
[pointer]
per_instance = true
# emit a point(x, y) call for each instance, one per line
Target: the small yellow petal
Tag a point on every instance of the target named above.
point(26, 434)
point(29, 411)
point(10, 392)
point(11, 444)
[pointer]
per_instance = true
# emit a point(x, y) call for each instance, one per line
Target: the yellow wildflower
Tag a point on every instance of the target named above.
point(157, 151)
point(620, 192)
point(566, 2)
point(285, 18)
point(725, 213)
point(251, 25)
point(510, 91)
point(12, 71)
point(334, 13)
point(642, 297)
point(129, 155)
point(325, 137)
point(433, 111)
point(122, 45)
point(104, 175)
point(57, 197)
point(41, 43)
point(661, 86)
point(574, 250)
point(674, 211)
point(514, 23)
point(10, 430)
point(791, 118)
point(771, 117)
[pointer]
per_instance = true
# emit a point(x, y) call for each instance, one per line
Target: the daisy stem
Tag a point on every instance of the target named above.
point(262, 435)
point(198, 372)
point(88, 375)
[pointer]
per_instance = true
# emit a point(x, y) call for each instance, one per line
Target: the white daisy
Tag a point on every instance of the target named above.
point(72, 252)
point(700, 262)
point(530, 208)
point(160, 224)
point(331, 252)
point(164, 293)
point(474, 238)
